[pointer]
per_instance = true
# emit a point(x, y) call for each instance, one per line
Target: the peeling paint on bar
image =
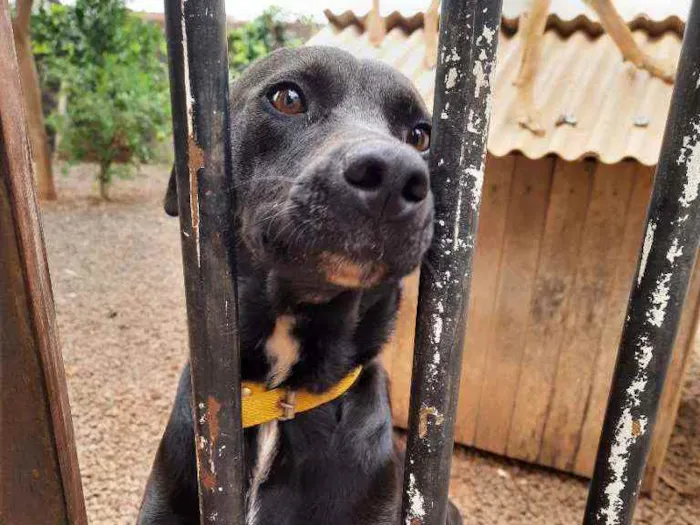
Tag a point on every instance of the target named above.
point(417, 508)
point(437, 329)
point(451, 78)
point(628, 431)
point(477, 176)
point(194, 152)
point(674, 252)
point(648, 241)
point(690, 158)
point(659, 298)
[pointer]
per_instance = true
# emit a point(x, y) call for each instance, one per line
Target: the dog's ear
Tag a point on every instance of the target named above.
point(170, 201)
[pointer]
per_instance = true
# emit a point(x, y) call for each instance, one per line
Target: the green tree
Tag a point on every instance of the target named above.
point(258, 38)
point(111, 67)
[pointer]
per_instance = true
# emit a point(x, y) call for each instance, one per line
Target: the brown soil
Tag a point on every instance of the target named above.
point(117, 278)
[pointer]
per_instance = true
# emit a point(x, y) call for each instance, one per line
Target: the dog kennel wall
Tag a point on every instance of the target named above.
point(562, 219)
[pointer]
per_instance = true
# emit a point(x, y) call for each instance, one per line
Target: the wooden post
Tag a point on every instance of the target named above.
point(39, 475)
point(376, 25)
point(430, 29)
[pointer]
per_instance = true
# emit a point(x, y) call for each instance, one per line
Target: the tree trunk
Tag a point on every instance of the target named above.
point(103, 179)
point(31, 91)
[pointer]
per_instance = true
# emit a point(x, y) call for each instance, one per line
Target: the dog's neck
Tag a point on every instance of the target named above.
point(309, 339)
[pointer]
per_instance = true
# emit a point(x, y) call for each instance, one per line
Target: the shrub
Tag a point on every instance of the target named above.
point(111, 67)
point(258, 38)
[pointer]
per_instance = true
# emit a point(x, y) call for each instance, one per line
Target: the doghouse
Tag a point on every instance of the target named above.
point(559, 235)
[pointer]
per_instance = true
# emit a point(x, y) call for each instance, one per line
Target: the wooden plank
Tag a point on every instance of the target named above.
point(553, 291)
point(398, 353)
point(586, 317)
point(401, 348)
point(39, 479)
point(625, 264)
point(521, 250)
point(673, 389)
point(487, 260)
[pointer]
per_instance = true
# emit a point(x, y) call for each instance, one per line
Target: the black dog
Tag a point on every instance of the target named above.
point(335, 208)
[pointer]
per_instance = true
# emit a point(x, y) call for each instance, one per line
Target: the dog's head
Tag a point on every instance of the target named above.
point(329, 160)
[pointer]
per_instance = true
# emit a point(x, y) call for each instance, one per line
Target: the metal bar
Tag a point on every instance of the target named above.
point(466, 62)
point(656, 300)
point(39, 478)
point(198, 60)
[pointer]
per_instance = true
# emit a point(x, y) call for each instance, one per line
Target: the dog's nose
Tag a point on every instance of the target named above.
point(389, 182)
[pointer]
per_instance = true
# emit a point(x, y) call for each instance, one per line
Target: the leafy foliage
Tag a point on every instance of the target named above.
point(111, 67)
point(258, 38)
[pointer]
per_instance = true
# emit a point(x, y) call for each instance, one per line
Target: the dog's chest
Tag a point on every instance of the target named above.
point(281, 350)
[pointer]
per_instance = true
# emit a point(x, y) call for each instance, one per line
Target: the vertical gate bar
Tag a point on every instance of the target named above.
point(198, 59)
point(466, 62)
point(656, 300)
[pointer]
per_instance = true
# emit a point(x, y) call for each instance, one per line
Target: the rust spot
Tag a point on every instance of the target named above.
point(206, 455)
point(344, 272)
point(416, 521)
point(208, 479)
point(426, 412)
point(195, 161)
point(213, 409)
point(35, 474)
point(636, 428)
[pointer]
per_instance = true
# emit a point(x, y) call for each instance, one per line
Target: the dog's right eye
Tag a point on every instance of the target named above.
point(287, 100)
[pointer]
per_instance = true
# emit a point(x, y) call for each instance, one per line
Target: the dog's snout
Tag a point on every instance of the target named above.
point(387, 181)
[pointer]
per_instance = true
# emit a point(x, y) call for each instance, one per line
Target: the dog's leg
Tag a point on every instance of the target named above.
point(620, 33)
point(532, 25)
point(171, 493)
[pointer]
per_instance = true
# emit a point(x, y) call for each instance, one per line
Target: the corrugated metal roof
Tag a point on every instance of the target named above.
point(654, 16)
point(619, 111)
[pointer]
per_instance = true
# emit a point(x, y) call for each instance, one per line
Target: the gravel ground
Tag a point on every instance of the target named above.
point(117, 279)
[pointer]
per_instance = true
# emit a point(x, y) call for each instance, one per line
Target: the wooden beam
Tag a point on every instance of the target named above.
point(39, 478)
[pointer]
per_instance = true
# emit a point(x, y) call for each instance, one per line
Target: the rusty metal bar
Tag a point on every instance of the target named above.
point(466, 61)
point(656, 301)
point(39, 474)
point(198, 60)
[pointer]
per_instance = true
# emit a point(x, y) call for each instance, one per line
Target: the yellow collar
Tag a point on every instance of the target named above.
point(261, 405)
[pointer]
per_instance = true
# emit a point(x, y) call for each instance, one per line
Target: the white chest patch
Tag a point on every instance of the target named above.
point(282, 352)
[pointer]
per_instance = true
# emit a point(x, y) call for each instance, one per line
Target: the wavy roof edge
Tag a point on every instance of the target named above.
point(563, 26)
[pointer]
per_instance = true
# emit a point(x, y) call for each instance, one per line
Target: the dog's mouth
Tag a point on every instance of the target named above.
point(322, 248)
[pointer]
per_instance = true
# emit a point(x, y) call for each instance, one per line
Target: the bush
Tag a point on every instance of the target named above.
point(258, 38)
point(112, 70)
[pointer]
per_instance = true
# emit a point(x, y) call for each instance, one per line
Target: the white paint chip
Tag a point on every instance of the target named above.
point(417, 503)
point(648, 241)
point(690, 157)
point(674, 252)
point(626, 434)
point(659, 298)
point(451, 78)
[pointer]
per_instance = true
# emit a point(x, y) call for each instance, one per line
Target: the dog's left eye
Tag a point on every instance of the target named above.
point(419, 137)
point(288, 100)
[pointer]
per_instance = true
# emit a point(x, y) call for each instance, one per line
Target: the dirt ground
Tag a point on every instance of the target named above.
point(117, 277)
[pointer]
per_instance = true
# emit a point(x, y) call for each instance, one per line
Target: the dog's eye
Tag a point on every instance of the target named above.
point(419, 137)
point(288, 100)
